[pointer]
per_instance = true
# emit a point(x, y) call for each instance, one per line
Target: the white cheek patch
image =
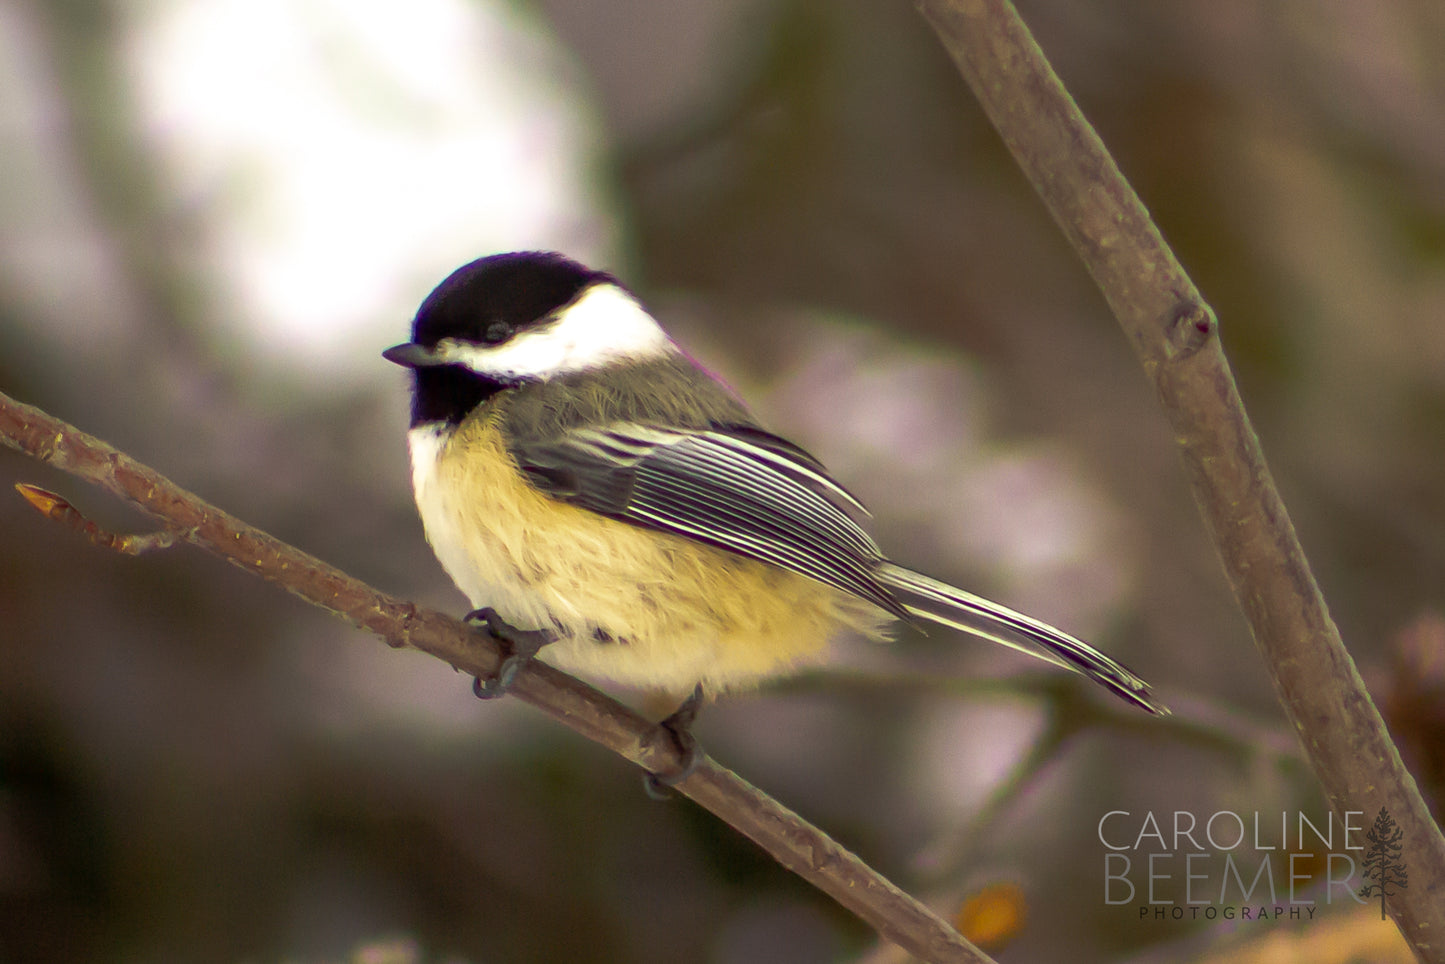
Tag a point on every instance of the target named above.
point(604, 325)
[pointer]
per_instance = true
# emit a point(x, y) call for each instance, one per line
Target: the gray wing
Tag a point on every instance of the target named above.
point(737, 488)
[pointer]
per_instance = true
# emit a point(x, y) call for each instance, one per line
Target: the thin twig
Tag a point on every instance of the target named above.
point(792, 841)
point(1175, 335)
point(55, 508)
point(1191, 720)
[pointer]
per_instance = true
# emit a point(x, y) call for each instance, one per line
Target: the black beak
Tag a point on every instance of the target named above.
point(412, 355)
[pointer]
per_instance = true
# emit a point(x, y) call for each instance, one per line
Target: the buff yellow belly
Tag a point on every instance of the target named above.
point(630, 604)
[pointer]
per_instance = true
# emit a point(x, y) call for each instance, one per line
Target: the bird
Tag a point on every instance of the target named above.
point(610, 505)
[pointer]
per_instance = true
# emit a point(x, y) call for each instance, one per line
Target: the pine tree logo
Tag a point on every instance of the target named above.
point(1382, 860)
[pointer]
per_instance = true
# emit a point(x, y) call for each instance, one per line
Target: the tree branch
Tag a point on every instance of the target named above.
point(1174, 333)
point(792, 841)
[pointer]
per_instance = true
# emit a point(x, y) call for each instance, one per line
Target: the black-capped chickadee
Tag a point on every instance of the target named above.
point(601, 493)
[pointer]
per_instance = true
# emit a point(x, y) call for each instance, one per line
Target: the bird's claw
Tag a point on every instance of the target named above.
point(679, 725)
point(519, 645)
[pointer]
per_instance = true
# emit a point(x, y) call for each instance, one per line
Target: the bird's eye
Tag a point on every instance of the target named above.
point(497, 332)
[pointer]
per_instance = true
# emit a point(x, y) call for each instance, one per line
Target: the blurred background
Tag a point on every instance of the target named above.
point(217, 213)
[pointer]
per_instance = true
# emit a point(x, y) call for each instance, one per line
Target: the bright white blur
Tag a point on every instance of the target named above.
point(342, 157)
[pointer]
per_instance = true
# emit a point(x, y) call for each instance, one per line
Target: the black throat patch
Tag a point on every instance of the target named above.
point(448, 394)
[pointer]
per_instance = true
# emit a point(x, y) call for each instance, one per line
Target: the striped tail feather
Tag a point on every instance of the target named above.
point(928, 599)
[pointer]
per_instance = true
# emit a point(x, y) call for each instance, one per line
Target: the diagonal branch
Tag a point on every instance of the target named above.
point(792, 841)
point(1174, 333)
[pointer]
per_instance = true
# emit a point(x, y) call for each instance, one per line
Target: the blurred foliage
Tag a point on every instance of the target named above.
point(993, 916)
point(195, 767)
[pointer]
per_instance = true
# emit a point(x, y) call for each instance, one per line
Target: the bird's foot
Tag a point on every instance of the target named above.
point(519, 646)
point(679, 724)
